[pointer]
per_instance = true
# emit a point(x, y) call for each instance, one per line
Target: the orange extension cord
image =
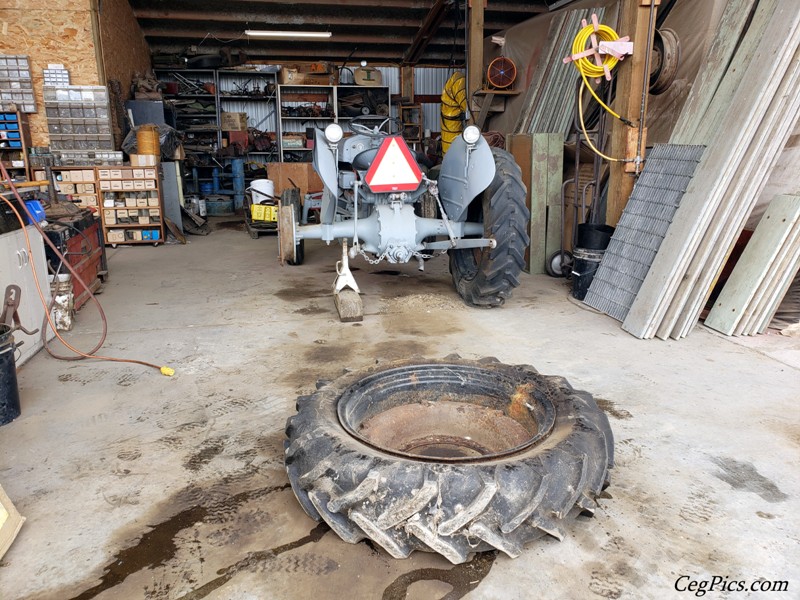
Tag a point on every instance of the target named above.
point(168, 371)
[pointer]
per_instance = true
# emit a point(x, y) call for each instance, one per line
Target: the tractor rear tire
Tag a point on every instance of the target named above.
point(485, 277)
point(417, 456)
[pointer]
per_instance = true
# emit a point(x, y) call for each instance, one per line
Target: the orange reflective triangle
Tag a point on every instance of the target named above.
point(394, 168)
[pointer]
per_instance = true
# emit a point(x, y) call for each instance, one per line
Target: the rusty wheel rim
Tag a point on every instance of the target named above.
point(448, 412)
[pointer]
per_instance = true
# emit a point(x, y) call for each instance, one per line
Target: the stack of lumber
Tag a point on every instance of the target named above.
point(743, 107)
point(551, 96)
point(763, 273)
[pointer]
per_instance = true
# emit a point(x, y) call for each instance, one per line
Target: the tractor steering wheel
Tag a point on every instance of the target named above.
point(360, 125)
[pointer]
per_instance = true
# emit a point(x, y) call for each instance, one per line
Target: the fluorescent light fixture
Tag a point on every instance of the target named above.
point(288, 35)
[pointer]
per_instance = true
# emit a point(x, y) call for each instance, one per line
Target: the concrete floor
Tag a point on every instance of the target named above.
point(140, 486)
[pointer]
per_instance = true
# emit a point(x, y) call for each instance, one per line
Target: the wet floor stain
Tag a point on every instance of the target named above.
point(253, 560)
point(303, 291)
point(312, 309)
point(155, 548)
point(610, 408)
point(160, 544)
point(463, 578)
point(744, 476)
point(234, 225)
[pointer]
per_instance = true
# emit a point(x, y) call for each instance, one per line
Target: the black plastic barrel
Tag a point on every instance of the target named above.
point(9, 390)
point(584, 266)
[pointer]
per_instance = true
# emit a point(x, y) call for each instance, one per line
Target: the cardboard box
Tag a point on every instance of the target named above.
point(88, 200)
point(233, 121)
point(302, 174)
point(144, 160)
point(115, 173)
point(88, 175)
point(66, 188)
point(116, 235)
point(105, 185)
point(238, 137)
point(66, 176)
point(155, 213)
point(152, 201)
point(130, 202)
point(149, 173)
point(144, 220)
point(104, 174)
point(308, 74)
point(137, 235)
point(110, 217)
point(141, 202)
point(138, 173)
point(149, 184)
point(127, 184)
point(10, 522)
point(138, 185)
point(116, 185)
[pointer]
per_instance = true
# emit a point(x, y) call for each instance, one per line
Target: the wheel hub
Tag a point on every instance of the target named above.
point(447, 413)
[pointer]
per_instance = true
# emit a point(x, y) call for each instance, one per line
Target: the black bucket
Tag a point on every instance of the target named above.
point(584, 266)
point(593, 236)
point(9, 391)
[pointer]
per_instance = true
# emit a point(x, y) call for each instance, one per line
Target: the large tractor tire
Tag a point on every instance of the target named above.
point(485, 277)
point(450, 456)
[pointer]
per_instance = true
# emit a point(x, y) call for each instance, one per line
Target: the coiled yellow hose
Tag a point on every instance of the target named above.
point(586, 65)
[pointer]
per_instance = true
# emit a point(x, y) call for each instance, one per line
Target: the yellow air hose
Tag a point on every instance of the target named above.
point(587, 67)
point(454, 107)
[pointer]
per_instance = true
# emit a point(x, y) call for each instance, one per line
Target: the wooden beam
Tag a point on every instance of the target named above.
point(407, 83)
point(634, 20)
point(426, 31)
point(255, 18)
point(475, 50)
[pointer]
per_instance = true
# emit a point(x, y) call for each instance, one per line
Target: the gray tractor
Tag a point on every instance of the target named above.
point(383, 206)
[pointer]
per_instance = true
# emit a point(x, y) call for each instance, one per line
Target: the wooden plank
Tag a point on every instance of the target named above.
point(475, 50)
point(721, 159)
point(788, 278)
point(712, 71)
point(785, 270)
point(735, 206)
point(520, 145)
point(555, 170)
point(539, 176)
point(755, 264)
point(753, 312)
point(634, 19)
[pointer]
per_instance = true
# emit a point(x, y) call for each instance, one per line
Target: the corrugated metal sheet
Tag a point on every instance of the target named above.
point(430, 81)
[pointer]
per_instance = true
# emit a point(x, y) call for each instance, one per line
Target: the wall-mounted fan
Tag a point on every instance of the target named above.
point(502, 73)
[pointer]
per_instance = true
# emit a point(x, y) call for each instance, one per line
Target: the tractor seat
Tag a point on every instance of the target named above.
point(362, 160)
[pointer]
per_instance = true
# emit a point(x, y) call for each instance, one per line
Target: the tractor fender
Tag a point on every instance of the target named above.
point(465, 173)
point(324, 163)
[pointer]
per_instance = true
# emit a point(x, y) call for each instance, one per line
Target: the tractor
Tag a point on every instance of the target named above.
point(383, 205)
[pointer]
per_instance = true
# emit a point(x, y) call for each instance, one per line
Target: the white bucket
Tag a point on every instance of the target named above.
point(263, 189)
point(201, 207)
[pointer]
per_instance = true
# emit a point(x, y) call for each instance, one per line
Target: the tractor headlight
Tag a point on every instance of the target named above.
point(333, 133)
point(471, 135)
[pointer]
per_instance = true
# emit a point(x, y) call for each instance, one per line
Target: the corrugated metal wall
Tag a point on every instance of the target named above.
point(430, 81)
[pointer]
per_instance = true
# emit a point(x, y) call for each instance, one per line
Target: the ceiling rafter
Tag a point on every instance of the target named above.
point(390, 31)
